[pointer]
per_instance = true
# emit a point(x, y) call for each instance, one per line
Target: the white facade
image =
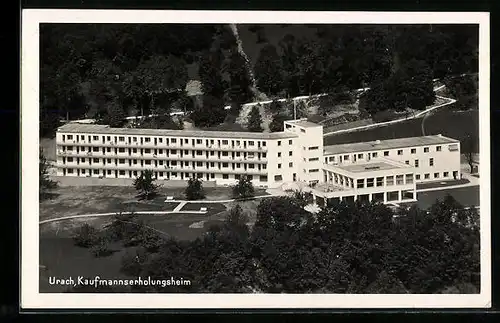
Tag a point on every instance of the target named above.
point(271, 159)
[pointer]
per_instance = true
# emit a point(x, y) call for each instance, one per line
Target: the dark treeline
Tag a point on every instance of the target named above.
point(345, 248)
point(109, 71)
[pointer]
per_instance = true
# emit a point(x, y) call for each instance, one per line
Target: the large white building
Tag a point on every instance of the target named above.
point(385, 170)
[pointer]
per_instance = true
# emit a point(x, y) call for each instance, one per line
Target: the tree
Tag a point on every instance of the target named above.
point(100, 247)
point(210, 114)
point(268, 70)
point(145, 184)
point(45, 183)
point(469, 150)
point(276, 107)
point(255, 120)
point(239, 89)
point(244, 188)
point(277, 124)
point(210, 69)
point(194, 189)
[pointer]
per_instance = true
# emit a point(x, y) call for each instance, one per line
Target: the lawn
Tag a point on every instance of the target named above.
point(76, 200)
point(454, 124)
point(61, 258)
point(212, 208)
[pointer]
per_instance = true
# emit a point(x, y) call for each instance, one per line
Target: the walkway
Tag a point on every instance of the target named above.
point(218, 201)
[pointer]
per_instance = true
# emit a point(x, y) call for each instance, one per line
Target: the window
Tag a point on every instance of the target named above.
point(438, 148)
point(70, 148)
point(225, 176)
point(417, 177)
point(121, 161)
point(414, 150)
point(264, 166)
point(380, 181)
point(148, 162)
point(290, 164)
point(225, 142)
point(135, 161)
point(446, 174)
point(427, 176)
point(109, 160)
point(279, 166)
point(431, 161)
point(199, 164)
point(238, 165)
point(279, 155)
point(375, 154)
point(95, 137)
point(173, 151)
point(122, 172)
point(407, 162)
point(199, 153)
point(314, 148)
point(251, 143)
point(315, 170)
point(199, 141)
point(400, 152)
point(332, 159)
point(96, 149)
point(173, 140)
point(426, 149)
point(160, 162)
point(225, 165)
point(278, 178)
point(96, 171)
point(313, 159)
point(263, 178)
point(83, 171)
point(135, 173)
point(346, 157)
point(186, 141)
point(160, 151)
point(212, 175)
point(121, 138)
point(303, 130)
point(416, 162)
point(212, 164)
point(121, 150)
point(399, 179)
point(83, 160)
point(70, 159)
point(237, 176)
point(386, 153)
point(252, 166)
point(147, 151)
point(263, 144)
point(212, 153)
point(369, 182)
point(264, 155)
point(361, 183)
point(147, 139)
point(290, 153)
point(96, 160)
point(436, 175)
point(134, 150)
point(290, 142)
point(70, 137)
point(409, 178)
point(390, 180)
point(360, 156)
point(225, 153)
point(108, 149)
point(160, 140)
point(134, 139)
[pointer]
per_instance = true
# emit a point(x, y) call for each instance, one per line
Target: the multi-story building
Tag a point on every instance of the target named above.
point(385, 170)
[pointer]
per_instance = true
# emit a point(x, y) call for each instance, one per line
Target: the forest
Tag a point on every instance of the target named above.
point(351, 248)
point(110, 71)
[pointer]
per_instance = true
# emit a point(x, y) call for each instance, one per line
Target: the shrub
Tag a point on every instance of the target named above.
point(85, 236)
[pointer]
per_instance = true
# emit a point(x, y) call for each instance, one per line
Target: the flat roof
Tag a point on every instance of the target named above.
point(368, 167)
point(303, 123)
point(388, 144)
point(104, 129)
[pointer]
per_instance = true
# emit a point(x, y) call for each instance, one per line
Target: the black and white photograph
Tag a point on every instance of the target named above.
point(289, 159)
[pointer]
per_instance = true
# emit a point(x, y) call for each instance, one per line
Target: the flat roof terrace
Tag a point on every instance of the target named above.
point(368, 167)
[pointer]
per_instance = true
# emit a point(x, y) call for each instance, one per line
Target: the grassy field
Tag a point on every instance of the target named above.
point(75, 200)
point(454, 124)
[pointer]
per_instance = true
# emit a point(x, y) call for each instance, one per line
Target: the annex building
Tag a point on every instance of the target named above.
point(385, 170)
